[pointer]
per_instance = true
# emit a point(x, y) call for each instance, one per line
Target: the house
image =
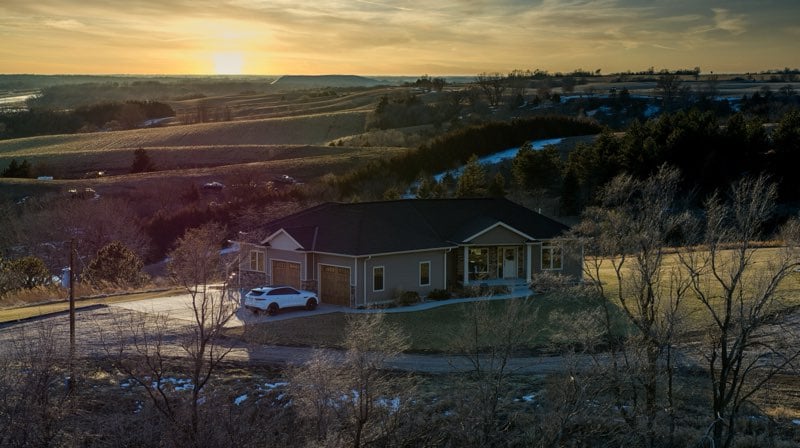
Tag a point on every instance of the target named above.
point(363, 254)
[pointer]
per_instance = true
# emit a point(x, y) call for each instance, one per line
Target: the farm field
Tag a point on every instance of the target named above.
point(270, 135)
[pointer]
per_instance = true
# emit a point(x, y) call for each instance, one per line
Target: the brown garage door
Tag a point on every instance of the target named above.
point(335, 285)
point(286, 273)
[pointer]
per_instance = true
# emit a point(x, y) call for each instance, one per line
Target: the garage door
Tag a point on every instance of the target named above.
point(286, 273)
point(335, 285)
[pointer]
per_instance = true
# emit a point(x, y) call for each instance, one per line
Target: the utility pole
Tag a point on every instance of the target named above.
point(71, 314)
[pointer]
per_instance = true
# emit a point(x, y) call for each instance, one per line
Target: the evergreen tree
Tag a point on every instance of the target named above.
point(497, 189)
point(142, 162)
point(427, 187)
point(117, 265)
point(15, 169)
point(472, 182)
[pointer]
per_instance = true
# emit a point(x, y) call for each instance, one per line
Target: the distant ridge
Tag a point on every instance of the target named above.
point(317, 81)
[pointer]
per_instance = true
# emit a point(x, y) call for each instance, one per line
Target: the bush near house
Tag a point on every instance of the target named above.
point(407, 298)
point(439, 294)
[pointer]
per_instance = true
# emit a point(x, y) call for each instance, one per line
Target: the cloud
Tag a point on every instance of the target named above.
point(727, 21)
point(64, 24)
point(396, 36)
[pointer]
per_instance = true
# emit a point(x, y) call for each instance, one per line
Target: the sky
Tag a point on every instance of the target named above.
point(404, 37)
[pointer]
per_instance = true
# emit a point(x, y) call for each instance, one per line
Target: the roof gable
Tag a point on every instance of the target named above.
point(281, 239)
point(500, 228)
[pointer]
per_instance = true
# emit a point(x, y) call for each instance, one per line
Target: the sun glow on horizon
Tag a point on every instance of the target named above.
point(229, 63)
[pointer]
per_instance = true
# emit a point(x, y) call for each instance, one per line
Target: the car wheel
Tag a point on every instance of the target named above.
point(272, 309)
point(311, 304)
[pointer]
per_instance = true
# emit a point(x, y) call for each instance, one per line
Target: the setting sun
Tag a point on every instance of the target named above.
point(228, 63)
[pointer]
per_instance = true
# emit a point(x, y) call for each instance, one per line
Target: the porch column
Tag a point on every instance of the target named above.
point(528, 262)
point(466, 266)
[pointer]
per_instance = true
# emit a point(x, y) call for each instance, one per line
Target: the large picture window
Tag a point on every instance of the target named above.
point(257, 261)
point(552, 257)
point(478, 262)
point(377, 278)
point(425, 273)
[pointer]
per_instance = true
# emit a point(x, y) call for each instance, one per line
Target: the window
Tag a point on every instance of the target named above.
point(478, 262)
point(377, 278)
point(257, 261)
point(551, 257)
point(425, 273)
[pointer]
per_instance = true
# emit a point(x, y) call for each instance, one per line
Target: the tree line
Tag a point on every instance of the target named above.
point(87, 118)
point(455, 148)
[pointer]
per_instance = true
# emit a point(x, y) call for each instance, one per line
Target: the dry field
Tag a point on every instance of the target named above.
point(270, 135)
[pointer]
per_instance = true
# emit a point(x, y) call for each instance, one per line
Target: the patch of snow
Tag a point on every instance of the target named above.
point(155, 121)
point(178, 384)
point(530, 398)
point(393, 404)
point(271, 386)
point(796, 422)
point(498, 157)
point(240, 399)
point(651, 110)
point(139, 407)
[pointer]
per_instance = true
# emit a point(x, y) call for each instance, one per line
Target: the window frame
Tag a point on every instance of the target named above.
point(261, 257)
point(382, 270)
point(473, 273)
point(428, 263)
point(555, 253)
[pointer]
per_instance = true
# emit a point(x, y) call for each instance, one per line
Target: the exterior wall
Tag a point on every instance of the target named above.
point(400, 273)
point(572, 259)
point(249, 279)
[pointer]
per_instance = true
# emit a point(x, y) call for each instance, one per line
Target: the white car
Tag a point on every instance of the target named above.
point(273, 298)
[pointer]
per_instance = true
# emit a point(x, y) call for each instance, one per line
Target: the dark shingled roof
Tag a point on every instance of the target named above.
point(406, 225)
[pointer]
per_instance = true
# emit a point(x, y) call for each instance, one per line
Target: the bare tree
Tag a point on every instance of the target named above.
point(33, 401)
point(631, 231)
point(744, 345)
point(488, 340)
point(668, 86)
point(493, 85)
point(352, 400)
point(579, 337)
point(145, 353)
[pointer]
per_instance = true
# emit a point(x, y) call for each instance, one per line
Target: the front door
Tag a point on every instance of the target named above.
point(509, 262)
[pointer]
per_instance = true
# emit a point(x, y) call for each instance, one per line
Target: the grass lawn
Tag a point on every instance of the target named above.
point(433, 330)
point(25, 312)
point(428, 331)
point(788, 294)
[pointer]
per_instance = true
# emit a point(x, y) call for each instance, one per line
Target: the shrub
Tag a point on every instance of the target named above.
point(407, 298)
point(117, 265)
point(548, 281)
point(439, 294)
point(483, 290)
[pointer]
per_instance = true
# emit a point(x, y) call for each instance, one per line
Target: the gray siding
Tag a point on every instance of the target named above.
point(572, 260)
point(401, 273)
